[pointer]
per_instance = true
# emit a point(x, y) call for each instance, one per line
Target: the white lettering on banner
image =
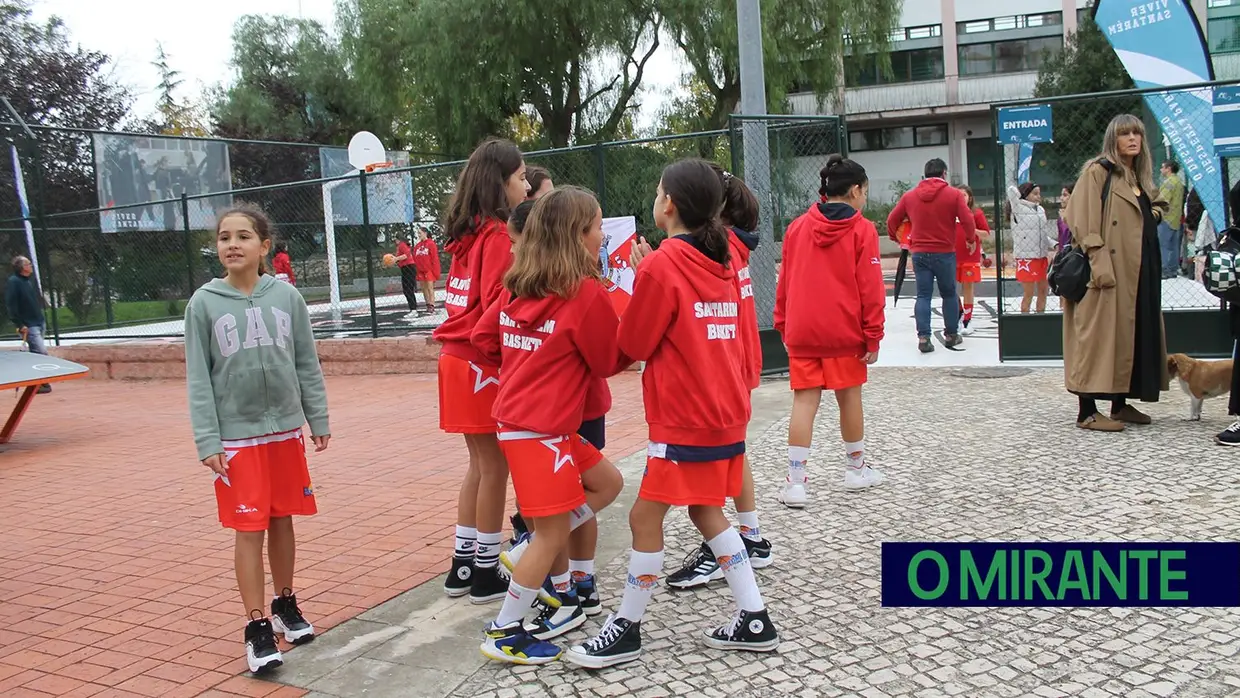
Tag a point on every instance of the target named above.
point(516, 341)
point(1033, 123)
point(703, 310)
point(1143, 15)
point(228, 339)
point(721, 331)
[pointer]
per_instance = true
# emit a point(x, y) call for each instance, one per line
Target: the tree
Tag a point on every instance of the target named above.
point(801, 45)
point(1087, 65)
point(173, 117)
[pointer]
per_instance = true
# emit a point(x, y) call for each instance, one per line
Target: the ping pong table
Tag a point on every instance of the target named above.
point(26, 371)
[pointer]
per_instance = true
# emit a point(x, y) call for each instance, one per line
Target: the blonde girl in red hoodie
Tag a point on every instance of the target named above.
point(683, 321)
point(555, 331)
point(829, 305)
point(492, 183)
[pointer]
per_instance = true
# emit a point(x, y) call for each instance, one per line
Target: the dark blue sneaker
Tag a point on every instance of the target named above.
point(547, 595)
point(554, 622)
point(512, 644)
point(587, 592)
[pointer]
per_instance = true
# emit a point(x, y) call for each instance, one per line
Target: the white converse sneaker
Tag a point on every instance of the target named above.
point(793, 495)
point(966, 331)
point(861, 478)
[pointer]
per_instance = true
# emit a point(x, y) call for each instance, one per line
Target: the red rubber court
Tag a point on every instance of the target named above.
point(116, 578)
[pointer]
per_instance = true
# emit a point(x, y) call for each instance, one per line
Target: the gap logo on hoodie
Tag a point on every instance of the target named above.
point(712, 310)
point(228, 336)
point(512, 340)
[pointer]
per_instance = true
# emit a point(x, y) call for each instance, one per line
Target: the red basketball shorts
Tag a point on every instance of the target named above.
point(546, 470)
point(969, 273)
point(466, 395)
point(267, 479)
point(683, 484)
point(829, 374)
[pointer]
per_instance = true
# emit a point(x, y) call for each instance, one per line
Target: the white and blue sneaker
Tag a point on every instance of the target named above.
point(587, 593)
point(554, 622)
point(513, 645)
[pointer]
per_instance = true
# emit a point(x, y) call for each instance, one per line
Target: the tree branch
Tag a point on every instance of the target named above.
point(631, 85)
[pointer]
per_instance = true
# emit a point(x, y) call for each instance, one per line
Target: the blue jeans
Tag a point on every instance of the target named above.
point(929, 267)
point(34, 338)
point(1169, 242)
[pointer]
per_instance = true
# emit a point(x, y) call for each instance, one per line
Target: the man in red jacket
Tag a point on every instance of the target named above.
point(933, 208)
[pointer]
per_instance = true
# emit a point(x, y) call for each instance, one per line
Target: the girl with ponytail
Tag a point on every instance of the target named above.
point(829, 304)
point(684, 322)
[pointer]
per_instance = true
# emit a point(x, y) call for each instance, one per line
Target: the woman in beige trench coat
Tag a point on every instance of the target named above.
point(1113, 342)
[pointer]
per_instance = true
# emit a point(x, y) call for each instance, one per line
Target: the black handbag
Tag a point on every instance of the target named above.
point(1070, 271)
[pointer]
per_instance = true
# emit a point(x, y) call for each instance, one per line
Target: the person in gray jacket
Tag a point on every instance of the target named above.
point(1033, 239)
point(254, 381)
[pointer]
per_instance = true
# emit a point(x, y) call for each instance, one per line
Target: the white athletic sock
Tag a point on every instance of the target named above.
point(644, 569)
point(798, 459)
point(578, 516)
point(488, 549)
point(729, 550)
point(562, 582)
point(749, 525)
point(516, 604)
point(466, 542)
point(580, 569)
point(854, 454)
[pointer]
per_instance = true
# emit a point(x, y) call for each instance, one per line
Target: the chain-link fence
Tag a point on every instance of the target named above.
point(128, 270)
point(779, 157)
point(1080, 124)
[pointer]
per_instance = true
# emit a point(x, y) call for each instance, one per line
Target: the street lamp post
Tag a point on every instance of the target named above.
point(756, 167)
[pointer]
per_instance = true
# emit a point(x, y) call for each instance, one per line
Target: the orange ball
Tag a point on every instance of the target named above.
point(389, 259)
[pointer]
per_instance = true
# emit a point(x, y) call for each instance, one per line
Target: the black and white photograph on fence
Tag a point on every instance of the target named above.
point(136, 170)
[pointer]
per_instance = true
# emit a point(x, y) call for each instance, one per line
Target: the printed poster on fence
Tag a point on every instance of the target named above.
point(619, 234)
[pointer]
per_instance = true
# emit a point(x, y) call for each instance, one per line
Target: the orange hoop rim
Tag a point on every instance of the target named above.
point(378, 166)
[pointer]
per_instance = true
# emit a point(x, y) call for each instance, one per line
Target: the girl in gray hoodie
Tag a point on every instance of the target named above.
point(254, 380)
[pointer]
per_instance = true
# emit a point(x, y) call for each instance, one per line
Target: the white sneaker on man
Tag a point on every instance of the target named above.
point(793, 495)
point(861, 478)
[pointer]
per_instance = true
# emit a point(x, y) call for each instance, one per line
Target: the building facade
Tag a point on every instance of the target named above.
point(952, 59)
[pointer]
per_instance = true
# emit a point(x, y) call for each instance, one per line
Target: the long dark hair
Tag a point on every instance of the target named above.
point(840, 175)
point(740, 206)
point(535, 175)
point(259, 220)
point(520, 214)
point(698, 194)
point(480, 190)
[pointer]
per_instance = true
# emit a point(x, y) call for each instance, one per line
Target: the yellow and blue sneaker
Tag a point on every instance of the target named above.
point(513, 644)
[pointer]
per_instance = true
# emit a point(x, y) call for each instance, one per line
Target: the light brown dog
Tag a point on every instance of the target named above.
point(1200, 379)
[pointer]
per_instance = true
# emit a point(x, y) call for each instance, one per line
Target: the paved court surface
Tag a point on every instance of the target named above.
point(968, 458)
point(116, 578)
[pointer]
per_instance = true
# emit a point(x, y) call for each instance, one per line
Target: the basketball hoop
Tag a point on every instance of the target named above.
point(378, 166)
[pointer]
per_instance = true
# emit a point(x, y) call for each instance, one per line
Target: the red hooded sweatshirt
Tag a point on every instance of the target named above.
point(598, 395)
point(963, 255)
point(683, 322)
point(549, 351)
point(830, 297)
point(426, 258)
point(933, 208)
point(282, 264)
point(475, 280)
point(743, 243)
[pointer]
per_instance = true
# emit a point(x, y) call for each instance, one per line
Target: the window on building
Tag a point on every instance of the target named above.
point(1223, 3)
point(906, 66)
point(999, 24)
point(928, 31)
point(1024, 55)
point(1224, 33)
point(895, 137)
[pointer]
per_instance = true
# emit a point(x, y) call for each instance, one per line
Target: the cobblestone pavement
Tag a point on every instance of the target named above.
point(967, 459)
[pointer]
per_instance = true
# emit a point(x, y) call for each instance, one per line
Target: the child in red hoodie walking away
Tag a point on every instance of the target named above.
point(969, 259)
point(492, 182)
point(829, 304)
point(683, 322)
point(740, 217)
point(555, 330)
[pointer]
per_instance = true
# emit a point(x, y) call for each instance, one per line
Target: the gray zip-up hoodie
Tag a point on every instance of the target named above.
point(251, 364)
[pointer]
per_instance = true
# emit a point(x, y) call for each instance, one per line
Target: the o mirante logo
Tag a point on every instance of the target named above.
point(1061, 574)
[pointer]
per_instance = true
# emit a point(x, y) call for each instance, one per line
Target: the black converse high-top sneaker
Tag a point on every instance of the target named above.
point(261, 652)
point(619, 641)
point(460, 578)
point(750, 631)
